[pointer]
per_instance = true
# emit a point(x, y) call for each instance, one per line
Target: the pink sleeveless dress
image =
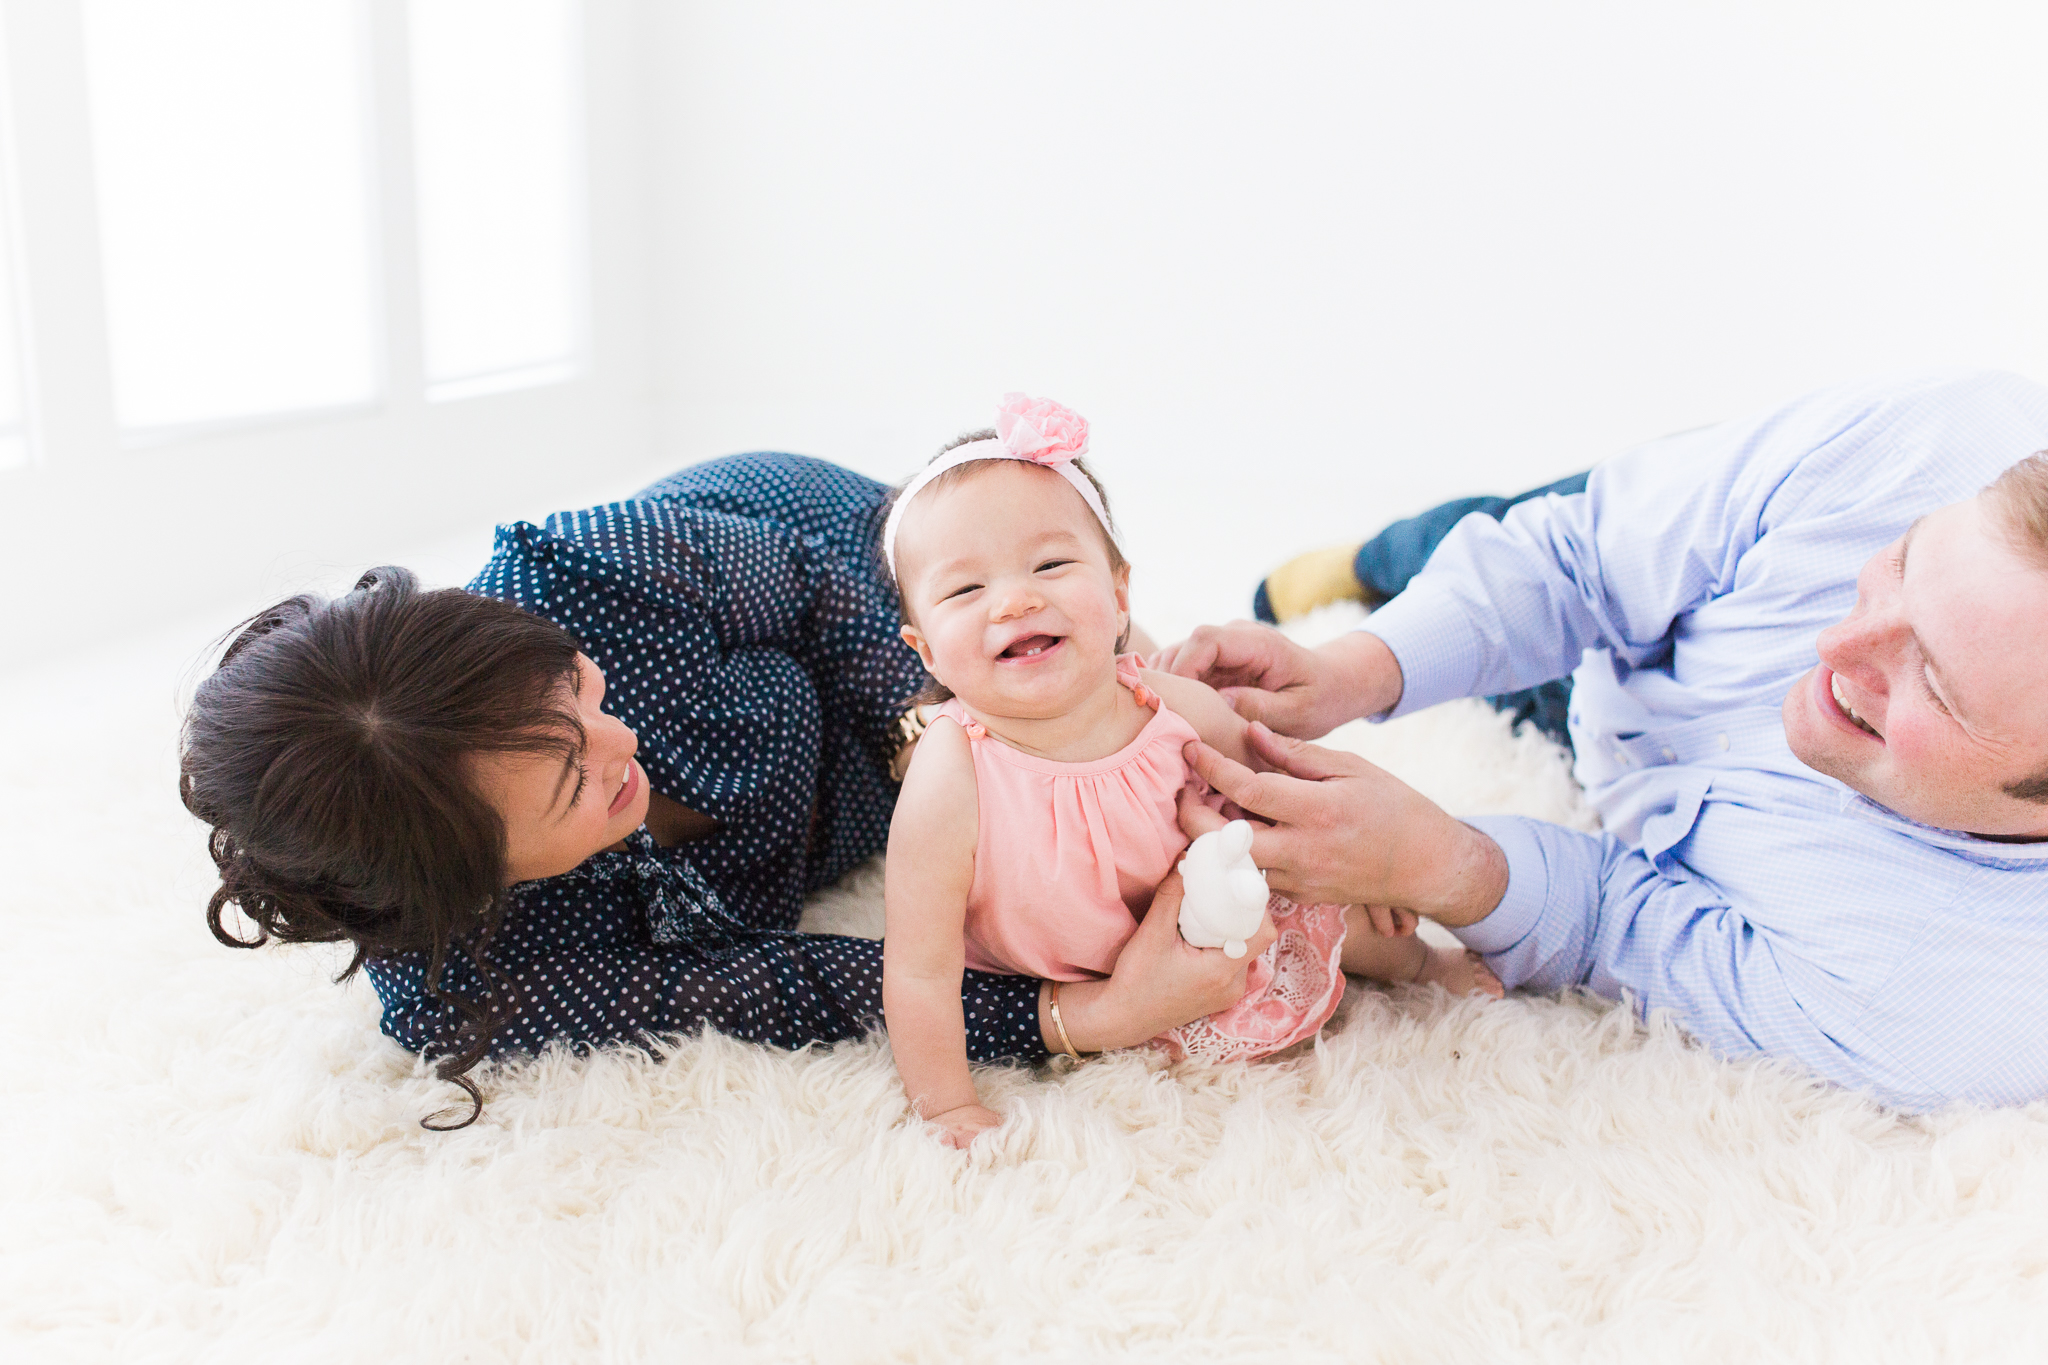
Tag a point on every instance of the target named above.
point(1067, 860)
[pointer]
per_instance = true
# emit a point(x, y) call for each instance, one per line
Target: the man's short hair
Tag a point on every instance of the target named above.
point(2020, 496)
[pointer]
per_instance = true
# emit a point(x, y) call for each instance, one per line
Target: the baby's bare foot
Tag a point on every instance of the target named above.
point(1459, 971)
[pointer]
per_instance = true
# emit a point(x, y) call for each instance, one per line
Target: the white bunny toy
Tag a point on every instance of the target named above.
point(1226, 894)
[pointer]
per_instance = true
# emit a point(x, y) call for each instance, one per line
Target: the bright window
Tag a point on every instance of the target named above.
point(231, 148)
point(497, 132)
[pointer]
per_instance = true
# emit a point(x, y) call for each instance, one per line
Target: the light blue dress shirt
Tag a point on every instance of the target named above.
point(1771, 908)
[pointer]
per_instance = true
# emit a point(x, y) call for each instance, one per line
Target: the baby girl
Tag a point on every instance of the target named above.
point(1038, 815)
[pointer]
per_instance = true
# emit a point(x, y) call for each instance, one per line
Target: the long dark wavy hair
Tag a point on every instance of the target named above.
point(331, 751)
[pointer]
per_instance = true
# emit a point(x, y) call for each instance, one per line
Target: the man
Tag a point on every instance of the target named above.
point(1824, 790)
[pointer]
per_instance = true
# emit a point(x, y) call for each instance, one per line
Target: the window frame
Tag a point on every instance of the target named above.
point(244, 508)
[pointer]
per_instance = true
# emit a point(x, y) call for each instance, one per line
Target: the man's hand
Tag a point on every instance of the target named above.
point(1339, 830)
point(1298, 691)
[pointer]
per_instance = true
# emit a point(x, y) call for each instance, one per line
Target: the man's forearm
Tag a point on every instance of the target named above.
point(1364, 672)
point(1465, 881)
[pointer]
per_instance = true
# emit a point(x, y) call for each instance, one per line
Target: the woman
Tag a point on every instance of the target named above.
point(584, 799)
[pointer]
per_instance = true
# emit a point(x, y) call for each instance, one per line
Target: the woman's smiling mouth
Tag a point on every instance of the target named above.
point(626, 789)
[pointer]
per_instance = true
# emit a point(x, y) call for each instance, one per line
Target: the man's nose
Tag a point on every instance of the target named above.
point(1861, 645)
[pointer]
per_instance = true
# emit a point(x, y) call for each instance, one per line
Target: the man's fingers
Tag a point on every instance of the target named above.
point(1299, 758)
point(1241, 653)
point(1274, 851)
point(1255, 792)
point(1189, 658)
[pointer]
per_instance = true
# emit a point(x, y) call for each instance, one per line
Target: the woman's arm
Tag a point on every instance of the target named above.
point(1160, 981)
point(930, 872)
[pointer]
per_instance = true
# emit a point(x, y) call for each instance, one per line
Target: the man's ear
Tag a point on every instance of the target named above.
point(915, 639)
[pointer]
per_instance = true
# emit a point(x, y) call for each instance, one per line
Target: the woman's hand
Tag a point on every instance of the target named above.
point(1298, 691)
point(961, 1126)
point(1160, 981)
point(1333, 828)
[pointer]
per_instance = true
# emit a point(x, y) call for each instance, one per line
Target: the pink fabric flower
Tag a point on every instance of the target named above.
point(1040, 429)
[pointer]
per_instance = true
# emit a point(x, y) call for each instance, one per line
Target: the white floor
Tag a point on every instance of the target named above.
point(210, 1155)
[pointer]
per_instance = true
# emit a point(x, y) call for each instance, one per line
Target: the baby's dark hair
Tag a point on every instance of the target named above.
point(330, 750)
point(935, 691)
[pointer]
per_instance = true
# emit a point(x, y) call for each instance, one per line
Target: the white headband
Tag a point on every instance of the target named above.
point(1037, 431)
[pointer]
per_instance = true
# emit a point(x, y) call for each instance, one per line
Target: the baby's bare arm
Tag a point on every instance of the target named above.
point(930, 871)
point(1200, 705)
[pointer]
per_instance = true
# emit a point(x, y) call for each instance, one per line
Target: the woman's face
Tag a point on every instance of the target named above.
point(559, 812)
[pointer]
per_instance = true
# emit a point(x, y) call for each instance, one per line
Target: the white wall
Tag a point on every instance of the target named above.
point(1305, 266)
point(1309, 266)
point(103, 540)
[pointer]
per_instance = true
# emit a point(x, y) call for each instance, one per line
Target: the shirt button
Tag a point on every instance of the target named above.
point(1722, 740)
point(1671, 755)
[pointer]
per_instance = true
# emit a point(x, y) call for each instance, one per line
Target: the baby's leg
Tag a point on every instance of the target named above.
point(1406, 958)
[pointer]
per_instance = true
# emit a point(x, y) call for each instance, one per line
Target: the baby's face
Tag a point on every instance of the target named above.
point(1011, 598)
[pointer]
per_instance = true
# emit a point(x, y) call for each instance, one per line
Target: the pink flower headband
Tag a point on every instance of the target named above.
point(1036, 430)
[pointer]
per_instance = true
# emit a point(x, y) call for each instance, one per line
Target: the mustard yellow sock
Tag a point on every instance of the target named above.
point(1312, 580)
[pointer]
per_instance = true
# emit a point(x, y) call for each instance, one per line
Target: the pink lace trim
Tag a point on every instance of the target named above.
point(1291, 990)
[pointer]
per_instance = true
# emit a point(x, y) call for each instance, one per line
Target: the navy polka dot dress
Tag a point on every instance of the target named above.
point(748, 636)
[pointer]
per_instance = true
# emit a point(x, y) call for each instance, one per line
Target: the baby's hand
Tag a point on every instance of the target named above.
point(962, 1125)
point(1391, 920)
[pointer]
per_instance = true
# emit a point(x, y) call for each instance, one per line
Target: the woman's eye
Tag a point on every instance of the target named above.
point(582, 781)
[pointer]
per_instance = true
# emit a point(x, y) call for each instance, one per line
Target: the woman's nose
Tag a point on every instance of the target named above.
point(620, 739)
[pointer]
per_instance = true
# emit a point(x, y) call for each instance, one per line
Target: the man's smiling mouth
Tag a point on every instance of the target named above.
point(1835, 686)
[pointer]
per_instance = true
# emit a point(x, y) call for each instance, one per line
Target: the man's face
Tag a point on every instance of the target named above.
point(1931, 695)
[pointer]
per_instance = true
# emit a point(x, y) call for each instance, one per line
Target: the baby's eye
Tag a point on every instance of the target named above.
point(960, 591)
point(1053, 564)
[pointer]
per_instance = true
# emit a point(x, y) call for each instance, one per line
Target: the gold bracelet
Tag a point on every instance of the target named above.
point(1053, 1003)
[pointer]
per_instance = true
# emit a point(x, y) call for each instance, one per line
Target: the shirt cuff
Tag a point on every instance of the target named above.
point(1002, 1018)
point(1434, 643)
point(1516, 917)
point(1540, 935)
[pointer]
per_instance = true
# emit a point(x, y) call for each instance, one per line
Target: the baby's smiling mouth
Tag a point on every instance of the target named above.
point(1030, 647)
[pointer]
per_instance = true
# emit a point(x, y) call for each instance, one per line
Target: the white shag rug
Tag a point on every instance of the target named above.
point(214, 1156)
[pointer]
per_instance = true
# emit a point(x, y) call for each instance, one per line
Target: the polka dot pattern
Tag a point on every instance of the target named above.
point(749, 638)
